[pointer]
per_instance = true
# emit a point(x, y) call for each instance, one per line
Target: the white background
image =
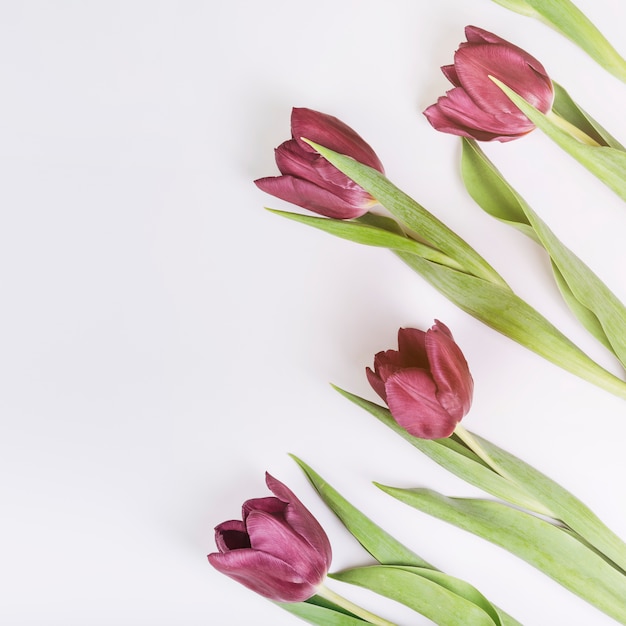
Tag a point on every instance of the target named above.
point(164, 340)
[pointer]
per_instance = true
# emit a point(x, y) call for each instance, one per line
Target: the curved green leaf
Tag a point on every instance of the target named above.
point(380, 544)
point(547, 547)
point(566, 18)
point(424, 594)
point(607, 164)
point(595, 305)
point(319, 611)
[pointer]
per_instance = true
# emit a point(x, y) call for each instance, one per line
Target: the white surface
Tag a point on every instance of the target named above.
point(164, 340)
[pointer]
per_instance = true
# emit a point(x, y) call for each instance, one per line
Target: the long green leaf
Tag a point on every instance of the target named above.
point(319, 611)
point(505, 312)
point(607, 164)
point(370, 235)
point(595, 305)
point(413, 215)
point(545, 546)
point(565, 107)
point(380, 544)
point(439, 602)
point(566, 18)
point(456, 458)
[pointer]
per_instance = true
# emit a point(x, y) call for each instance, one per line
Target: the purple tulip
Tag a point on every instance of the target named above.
point(279, 549)
point(426, 383)
point(308, 179)
point(476, 107)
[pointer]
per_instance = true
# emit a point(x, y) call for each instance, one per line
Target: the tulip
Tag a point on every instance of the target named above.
point(477, 107)
point(278, 550)
point(426, 383)
point(308, 179)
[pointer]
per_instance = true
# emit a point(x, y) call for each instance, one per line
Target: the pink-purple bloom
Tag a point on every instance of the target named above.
point(278, 549)
point(308, 179)
point(476, 107)
point(426, 382)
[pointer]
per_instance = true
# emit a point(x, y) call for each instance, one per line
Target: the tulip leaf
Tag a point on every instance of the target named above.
point(370, 235)
point(548, 547)
point(505, 312)
point(414, 216)
point(565, 506)
point(425, 594)
point(570, 21)
point(381, 545)
point(595, 305)
point(320, 611)
point(566, 108)
point(454, 456)
point(607, 164)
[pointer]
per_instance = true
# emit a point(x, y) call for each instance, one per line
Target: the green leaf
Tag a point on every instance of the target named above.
point(320, 611)
point(567, 19)
point(505, 312)
point(380, 544)
point(595, 305)
point(566, 108)
point(371, 235)
point(607, 164)
point(564, 505)
point(547, 547)
point(434, 595)
point(456, 458)
point(414, 216)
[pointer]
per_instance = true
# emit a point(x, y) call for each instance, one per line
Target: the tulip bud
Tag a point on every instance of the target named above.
point(308, 179)
point(476, 107)
point(278, 549)
point(426, 383)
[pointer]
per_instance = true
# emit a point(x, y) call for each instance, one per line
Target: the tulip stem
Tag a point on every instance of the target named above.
point(571, 130)
point(470, 441)
point(344, 603)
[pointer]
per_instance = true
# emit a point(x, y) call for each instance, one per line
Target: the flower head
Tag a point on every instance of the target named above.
point(476, 107)
point(308, 179)
point(426, 383)
point(278, 549)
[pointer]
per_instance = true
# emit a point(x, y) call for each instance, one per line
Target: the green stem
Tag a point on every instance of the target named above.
point(571, 130)
point(470, 441)
point(344, 603)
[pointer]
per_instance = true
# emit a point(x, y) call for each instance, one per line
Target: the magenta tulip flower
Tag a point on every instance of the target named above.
point(476, 107)
point(278, 550)
point(426, 383)
point(308, 179)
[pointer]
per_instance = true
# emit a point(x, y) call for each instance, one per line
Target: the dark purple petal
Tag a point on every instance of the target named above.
point(377, 383)
point(264, 573)
point(412, 348)
point(411, 397)
point(449, 72)
point(450, 372)
point(474, 34)
point(231, 535)
point(332, 133)
point(309, 196)
point(302, 520)
point(269, 505)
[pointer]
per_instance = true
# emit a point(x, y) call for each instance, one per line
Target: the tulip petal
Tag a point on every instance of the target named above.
point(412, 347)
point(474, 64)
point(231, 535)
point(377, 383)
point(269, 505)
point(263, 573)
point(301, 519)
point(330, 132)
point(450, 73)
point(474, 34)
point(311, 197)
point(450, 371)
point(412, 401)
point(275, 536)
